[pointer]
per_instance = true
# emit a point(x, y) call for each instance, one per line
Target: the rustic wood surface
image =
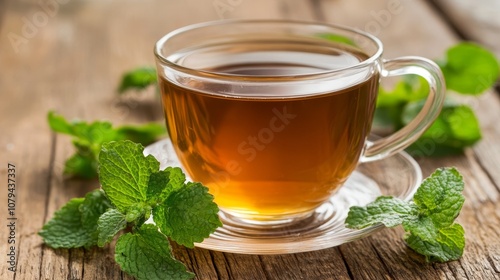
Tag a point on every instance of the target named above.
point(477, 20)
point(69, 55)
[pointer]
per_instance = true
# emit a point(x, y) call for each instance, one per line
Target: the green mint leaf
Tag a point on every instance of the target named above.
point(390, 103)
point(81, 166)
point(144, 134)
point(138, 79)
point(388, 117)
point(89, 137)
point(94, 205)
point(93, 134)
point(58, 123)
point(387, 210)
point(448, 245)
point(429, 218)
point(108, 225)
point(124, 173)
point(146, 255)
point(75, 224)
point(188, 215)
point(469, 68)
point(439, 200)
point(410, 88)
point(455, 129)
point(162, 183)
point(440, 197)
point(65, 229)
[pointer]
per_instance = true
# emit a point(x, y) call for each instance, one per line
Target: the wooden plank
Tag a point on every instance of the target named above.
point(487, 151)
point(398, 23)
point(21, 123)
point(322, 264)
point(477, 20)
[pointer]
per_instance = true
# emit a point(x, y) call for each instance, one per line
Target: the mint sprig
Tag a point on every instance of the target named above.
point(455, 128)
point(137, 79)
point(133, 188)
point(89, 137)
point(429, 219)
point(468, 69)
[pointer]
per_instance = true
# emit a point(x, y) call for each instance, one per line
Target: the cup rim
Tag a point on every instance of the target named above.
point(218, 75)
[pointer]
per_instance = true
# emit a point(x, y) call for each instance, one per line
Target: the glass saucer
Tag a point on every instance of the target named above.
point(398, 176)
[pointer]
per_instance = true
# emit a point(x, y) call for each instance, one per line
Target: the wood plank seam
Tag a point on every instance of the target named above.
point(317, 11)
point(266, 272)
point(216, 267)
point(375, 249)
point(228, 267)
point(346, 264)
point(492, 263)
point(48, 195)
point(480, 163)
point(492, 266)
point(451, 24)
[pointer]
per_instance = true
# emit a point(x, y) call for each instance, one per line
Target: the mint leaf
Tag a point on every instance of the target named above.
point(390, 103)
point(81, 166)
point(108, 225)
point(138, 79)
point(429, 218)
point(144, 134)
point(387, 210)
point(455, 129)
point(162, 183)
point(448, 245)
point(469, 68)
point(410, 88)
point(440, 198)
point(89, 137)
point(188, 215)
point(75, 224)
point(124, 173)
point(58, 123)
point(146, 254)
point(93, 206)
point(93, 134)
point(65, 229)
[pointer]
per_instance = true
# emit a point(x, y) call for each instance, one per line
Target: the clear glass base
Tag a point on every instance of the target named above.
point(398, 176)
point(267, 221)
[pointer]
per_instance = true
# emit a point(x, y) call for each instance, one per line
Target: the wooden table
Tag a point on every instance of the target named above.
point(69, 55)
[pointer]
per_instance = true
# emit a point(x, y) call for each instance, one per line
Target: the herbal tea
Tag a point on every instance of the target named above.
point(280, 153)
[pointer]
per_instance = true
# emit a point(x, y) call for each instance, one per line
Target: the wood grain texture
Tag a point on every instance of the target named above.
point(72, 63)
point(476, 20)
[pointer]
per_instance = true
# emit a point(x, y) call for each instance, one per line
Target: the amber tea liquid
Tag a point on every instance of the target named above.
point(266, 157)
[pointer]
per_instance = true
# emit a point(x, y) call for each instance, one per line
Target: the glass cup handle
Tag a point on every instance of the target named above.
point(402, 138)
